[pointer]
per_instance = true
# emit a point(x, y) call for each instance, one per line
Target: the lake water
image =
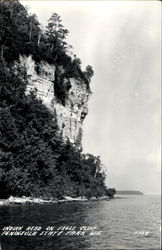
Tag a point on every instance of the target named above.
point(132, 222)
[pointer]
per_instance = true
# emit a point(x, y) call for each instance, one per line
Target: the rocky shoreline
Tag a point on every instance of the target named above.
point(30, 200)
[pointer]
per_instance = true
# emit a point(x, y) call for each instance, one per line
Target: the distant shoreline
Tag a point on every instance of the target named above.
point(129, 192)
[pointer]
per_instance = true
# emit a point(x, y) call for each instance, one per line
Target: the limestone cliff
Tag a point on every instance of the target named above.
point(70, 116)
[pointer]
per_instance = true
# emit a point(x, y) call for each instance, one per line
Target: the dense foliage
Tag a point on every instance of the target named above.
point(25, 37)
point(34, 159)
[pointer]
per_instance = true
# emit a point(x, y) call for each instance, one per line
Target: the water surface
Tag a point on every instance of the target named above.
point(132, 222)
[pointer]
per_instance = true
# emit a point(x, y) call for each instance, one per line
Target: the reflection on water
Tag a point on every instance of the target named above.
point(122, 222)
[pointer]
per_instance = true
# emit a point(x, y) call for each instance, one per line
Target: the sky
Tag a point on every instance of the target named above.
point(121, 40)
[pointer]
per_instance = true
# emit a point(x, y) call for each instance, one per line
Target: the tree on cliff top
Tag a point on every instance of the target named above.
point(56, 33)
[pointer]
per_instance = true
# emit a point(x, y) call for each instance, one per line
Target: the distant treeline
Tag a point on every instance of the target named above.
point(129, 192)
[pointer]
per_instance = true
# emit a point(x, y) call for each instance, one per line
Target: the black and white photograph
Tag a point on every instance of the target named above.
point(80, 125)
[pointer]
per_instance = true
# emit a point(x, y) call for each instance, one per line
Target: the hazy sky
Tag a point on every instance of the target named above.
point(121, 40)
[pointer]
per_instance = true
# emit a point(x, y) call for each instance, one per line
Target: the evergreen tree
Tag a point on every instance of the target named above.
point(56, 33)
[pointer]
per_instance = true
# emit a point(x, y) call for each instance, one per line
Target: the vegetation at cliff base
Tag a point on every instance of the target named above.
point(34, 159)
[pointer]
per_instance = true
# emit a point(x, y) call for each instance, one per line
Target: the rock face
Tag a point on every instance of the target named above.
point(70, 116)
